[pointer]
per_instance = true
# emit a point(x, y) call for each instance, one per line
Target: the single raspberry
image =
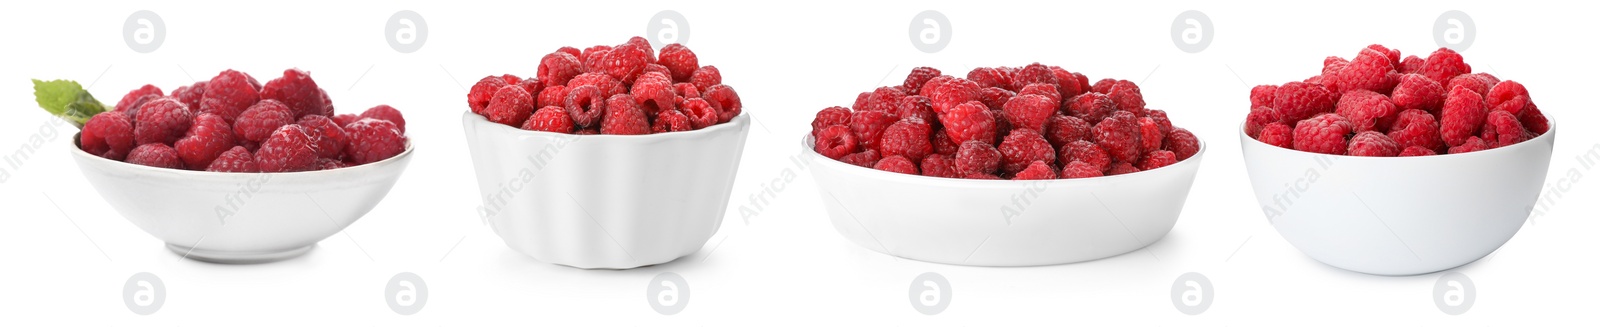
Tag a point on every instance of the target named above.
point(836, 141)
point(986, 77)
point(1263, 95)
point(1067, 83)
point(1534, 120)
point(927, 88)
point(108, 135)
point(155, 155)
point(1127, 97)
point(1104, 85)
point(670, 121)
point(702, 114)
point(1415, 127)
point(969, 121)
point(261, 120)
point(585, 105)
point(482, 92)
point(1260, 117)
point(1034, 73)
point(686, 90)
point(1063, 129)
point(1050, 91)
point(1297, 101)
point(725, 100)
point(162, 120)
point(1332, 65)
point(623, 116)
point(1157, 159)
point(861, 101)
point(1278, 134)
point(371, 140)
point(1463, 113)
point(916, 106)
point(865, 159)
point(869, 126)
point(289, 149)
point(191, 94)
point(1472, 144)
point(208, 137)
point(590, 57)
point(235, 160)
point(1505, 91)
point(1444, 64)
point(995, 98)
point(1370, 70)
point(1160, 117)
point(1502, 128)
point(884, 98)
point(1091, 107)
point(1418, 92)
point(706, 76)
point(896, 164)
point(909, 138)
point(1415, 151)
point(345, 119)
point(918, 77)
point(558, 67)
point(1325, 134)
point(976, 157)
point(137, 96)
point(1079, 169)
point(533, 85)
point(654, 93)
point(1121, 168)
point(1083, 83)
point(327, 103)
point(1478, 83)
point(296, 90)
point(325, 134)
point(942, 144)
point(1038, 170)
point(229, 94)
point(550, 119)
point(555, 95)
point(1372, 144)
point(642, 43)
point(1150, 135)
point(953, 93)
point(939, 165)
point(679, 60)
point(1183, 143)
point(1410, 65)
point(608, 85)
point(511, 106)
point(385, 112)
point(1119, 136)
point(1030, 111)
point(1022, 147)
point(1367, 110)
point(1393, 55)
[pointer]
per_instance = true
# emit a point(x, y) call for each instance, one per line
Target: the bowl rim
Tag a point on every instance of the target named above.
point(77, 151)
point(1246, 139)
point(737, 122)
point(809, 150)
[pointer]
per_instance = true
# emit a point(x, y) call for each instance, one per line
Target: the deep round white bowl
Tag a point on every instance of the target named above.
point(604, 201)
point(1402, 215)
point(240, 217)
point(1001, 222)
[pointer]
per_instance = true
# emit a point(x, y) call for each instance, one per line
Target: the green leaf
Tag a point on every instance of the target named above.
point(67, 99)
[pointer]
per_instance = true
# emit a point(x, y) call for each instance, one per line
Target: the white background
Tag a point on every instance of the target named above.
point(786, 265)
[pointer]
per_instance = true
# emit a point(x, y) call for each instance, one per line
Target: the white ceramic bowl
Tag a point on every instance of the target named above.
point(240, 217)
point(605, 201)
point(1001, 222)
point(1398, 216)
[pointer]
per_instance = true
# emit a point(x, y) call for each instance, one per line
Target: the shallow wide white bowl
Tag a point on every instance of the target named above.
point(605, 201)
point(1398, 216)
point(240, 217)
point(1001, 222)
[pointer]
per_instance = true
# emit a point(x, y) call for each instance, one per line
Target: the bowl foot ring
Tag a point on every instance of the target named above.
point(236, 257)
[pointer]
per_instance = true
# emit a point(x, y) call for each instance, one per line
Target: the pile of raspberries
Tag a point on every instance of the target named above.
point(1378, 105)
point(1021, 123)
point(234, 124)
point(617, 90)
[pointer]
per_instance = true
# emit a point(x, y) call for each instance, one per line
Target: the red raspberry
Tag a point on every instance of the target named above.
point(869, 125)
point(986, 77)
point(658, 69)
point(190, 94)
point(608, 86)
point(137, 96)
point(939, 165)
point(261, 120)
point(1411, 65)
point(558, 67)
point(686, 90)
point(1325, 134)
point(919, 76)
point(1104, 85)
point(1372, 144)
point(835, 141)
point(575, 52)
point(1119, 136)
point(385, 112)
point(1297, 101)
point(1258, 118)
point(1393, 55)
point(511, 79)
point(976, 157)
point(1079, 169)
point(1091, 107)
point(482, 92)
point(995, 98)
point(1150, 135)
point(702, 114)
point(1030, 111)
point(1367, 110)
point(586, 105)
point(623, 116)
point(550, 119)
point(591, 57)
point(1034, 73)
point(1371, 70)
point(679, 60)
point(325, 134)
point(1472, 144)
point(1263, 95)
point(345, 119)
point(942, 144)
point(229, 94)
point(1160, 116)
point(927, 88)
point(1121, 168)
point(235, 160)
point(1278, 134)
point(533, 85)
point(161, 120)
point(725, 100)
point(1182, 143)
point(1063, 129)
point(1502, 128)
point(1087, 152)
point(861, 101)
point(155, 155)
point(910, 138)
point(896, 164)
point(1505, 91)
point(296, 90)
point(705, 77)
point(883, 99)
point(1415, 151)
point(1127, 97)
point(208, 138)
point(642, 43)
point(1332, 65)
point(1067, 83)
point(288, 150)
point(670, 121)
point(1418, 92)
point(918, 107)
point(1444, 64)
point(1415, 127)
point(969, 121)
point(1534, 120)
point(866, 158)
point(109, 136)
point(1050, 91)
point(1083, 83)
point(654, 93)
point(1462, 115)
point(1038, 170)
point(555, 95)
point(1157, 159)
point(953, 93)
point(1478, 83)
point(1022, 147)
point(371, 140)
